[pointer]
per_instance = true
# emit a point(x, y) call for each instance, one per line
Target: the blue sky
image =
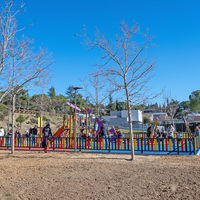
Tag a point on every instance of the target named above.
point(174, 23)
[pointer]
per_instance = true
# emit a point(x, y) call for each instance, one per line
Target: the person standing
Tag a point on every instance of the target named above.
point(149, 132)
point(96, 127)
point(163, 134)
point(2, 132)
point(170, 131)
point(46, 134)
point(197, 130)
point(34, 130)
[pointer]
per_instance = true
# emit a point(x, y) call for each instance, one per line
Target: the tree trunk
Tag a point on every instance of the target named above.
point(97, 102)
point(9, 112)
point(13, 124)
point(130, 121)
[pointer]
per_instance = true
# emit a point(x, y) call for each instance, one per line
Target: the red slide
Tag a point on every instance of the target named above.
point(60, 131)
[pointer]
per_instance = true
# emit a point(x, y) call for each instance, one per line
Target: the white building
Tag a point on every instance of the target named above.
point(136, 115)
point(120, 118)
point(193, 117)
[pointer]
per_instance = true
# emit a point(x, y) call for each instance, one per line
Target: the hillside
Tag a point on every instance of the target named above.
point(31, 120)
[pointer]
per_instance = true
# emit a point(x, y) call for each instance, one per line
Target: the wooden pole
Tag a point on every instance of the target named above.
point(70, 122)
point(74, 118)
point(40, 125)
point(89, 122)
point(64, 121)
point(86, 124)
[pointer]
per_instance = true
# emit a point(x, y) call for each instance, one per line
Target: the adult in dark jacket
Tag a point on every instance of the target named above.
point(34, 130)
point(46, 134)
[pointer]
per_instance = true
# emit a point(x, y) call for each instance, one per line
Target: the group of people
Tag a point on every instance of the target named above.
point(158, 134)
point(103, 132)
point(170, 132)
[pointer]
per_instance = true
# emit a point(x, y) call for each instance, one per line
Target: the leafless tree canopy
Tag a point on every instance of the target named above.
point(24, 68)
point(97, 91)
point(125, 59)
point(8, 29)
point(125, 64)
point(20, 66)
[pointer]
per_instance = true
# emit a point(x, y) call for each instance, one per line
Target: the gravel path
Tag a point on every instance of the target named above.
point(36, 175)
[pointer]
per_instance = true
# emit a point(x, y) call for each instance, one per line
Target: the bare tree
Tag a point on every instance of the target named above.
point(125, 64)
point(8, 30)
point(171, 108)
point(19, 66)
point(41, 102)
point(100, 94)
point(26, 69)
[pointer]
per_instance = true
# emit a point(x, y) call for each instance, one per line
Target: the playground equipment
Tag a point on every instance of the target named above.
point(68, 129)
point(87, 120)
point(100, 124)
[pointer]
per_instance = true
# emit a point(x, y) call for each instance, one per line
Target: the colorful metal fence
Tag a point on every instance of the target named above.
point(183, 145)
point(144, 135)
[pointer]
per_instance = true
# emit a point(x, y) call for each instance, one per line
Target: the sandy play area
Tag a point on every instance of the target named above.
point(36, 175)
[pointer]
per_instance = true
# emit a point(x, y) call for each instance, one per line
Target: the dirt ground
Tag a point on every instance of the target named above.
point(36, 175)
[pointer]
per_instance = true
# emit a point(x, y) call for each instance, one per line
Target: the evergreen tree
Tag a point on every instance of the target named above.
point(52, 92)
point(71, 94)
point(195, 101)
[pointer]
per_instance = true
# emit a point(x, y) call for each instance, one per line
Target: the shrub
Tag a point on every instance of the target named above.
point(21, 119)
point(3, 111)
point(146, 120)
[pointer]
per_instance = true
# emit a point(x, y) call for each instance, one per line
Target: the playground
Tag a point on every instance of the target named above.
point(79, 134)
point(36, 175)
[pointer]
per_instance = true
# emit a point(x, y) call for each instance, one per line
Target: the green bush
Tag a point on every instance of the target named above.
point(3, 111)
point(21, 118)
point(45, 119)
point(146, 120)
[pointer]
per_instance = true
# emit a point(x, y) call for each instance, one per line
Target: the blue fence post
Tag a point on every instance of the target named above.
point(29, 143)
point(174, 146)
point(190, 146)
point(125, 144)
point(194, 149)
point(109, 144)
point(76, 143)
point(53, 144)
point(145, 144)
point(158, 144)
point(177, 146)
point(138, 144)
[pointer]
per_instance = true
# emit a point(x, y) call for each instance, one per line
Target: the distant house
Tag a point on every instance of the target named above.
point(193, 117)
point(151, 110)
point(120, 118)
point(160, 116)
point(136, 115)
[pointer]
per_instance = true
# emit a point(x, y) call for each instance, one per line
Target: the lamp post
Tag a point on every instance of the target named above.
point(75, 88)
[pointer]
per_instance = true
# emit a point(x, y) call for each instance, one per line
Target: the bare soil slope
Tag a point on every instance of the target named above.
point(54, 120)
point(34, 175)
